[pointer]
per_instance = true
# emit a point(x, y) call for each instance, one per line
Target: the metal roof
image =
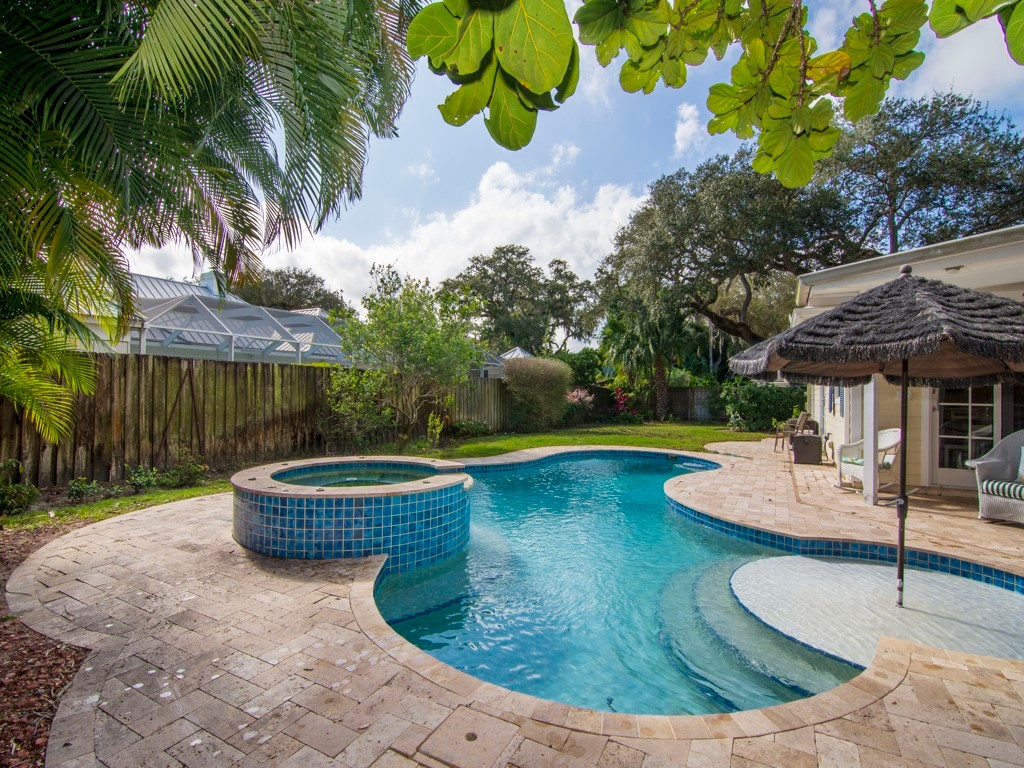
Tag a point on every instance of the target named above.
point(148, 287)
point(197, 324)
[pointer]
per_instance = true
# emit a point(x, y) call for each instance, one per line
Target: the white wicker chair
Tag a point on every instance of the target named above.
point(1000, 494)
point(850, 457)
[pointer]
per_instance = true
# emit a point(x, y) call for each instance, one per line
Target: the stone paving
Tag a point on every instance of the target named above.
point(207, 655)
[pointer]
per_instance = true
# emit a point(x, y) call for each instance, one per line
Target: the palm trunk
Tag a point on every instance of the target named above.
point(660, 389)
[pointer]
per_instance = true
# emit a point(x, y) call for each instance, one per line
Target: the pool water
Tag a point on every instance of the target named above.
point(580, 585)
point(351, 477)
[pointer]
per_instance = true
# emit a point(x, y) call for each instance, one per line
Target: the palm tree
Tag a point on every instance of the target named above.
point(226, 125)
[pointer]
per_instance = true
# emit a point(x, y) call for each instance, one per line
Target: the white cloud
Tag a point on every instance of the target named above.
point(507, 207)
point(690, 132)
point(423, 171)
point(564, 155)
point(973, 62)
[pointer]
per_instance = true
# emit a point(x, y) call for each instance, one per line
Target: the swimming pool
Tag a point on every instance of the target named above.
point(580, 585)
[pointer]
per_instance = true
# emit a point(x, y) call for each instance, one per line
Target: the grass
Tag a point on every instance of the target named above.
point(680, 437)
point(94, 511)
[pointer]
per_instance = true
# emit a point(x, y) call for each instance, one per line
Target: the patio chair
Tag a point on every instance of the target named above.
point(1000, 490)
point(850, 458)
point(790, 427)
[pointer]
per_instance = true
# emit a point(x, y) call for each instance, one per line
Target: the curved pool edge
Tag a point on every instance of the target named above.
point(886, 672)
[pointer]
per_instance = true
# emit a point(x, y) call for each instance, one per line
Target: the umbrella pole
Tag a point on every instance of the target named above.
point(901, 500)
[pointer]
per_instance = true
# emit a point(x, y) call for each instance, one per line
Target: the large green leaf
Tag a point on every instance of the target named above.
point(434, 32)
point(476, 37)
point(1014, 30)
point(795, 166)
point(597, 19)
point(947, 18)
point(533, 40)
point(572, 77)
point(471, 97)
point(862, 98)
point(510, 123)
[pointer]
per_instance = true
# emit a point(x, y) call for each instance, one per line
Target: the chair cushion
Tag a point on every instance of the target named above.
point(1020, 467)
point(857, 461)
point(1007, 489)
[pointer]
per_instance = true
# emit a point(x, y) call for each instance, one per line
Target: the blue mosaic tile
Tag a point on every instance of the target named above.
point(414, 529)
point(855, 550)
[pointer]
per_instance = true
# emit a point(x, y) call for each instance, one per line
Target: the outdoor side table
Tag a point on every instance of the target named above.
point(806, 449)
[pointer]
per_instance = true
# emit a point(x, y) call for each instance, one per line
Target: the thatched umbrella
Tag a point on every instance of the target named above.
point(916, 332)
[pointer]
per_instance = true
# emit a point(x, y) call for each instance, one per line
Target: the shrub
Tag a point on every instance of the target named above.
point(470, 428)
point(189, 471)
point(14, 497)
point(754, 406)
point(435, 426)
point(80, 489)
point(140, 478)
point(585, 364)
point(355, 411)
point(580, 403)
point(538, 386)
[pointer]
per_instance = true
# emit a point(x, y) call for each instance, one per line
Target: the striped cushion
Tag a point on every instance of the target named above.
point(1008, 489)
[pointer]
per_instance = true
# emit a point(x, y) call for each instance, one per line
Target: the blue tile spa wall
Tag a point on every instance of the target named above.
point(413, 529)
point(855, 550)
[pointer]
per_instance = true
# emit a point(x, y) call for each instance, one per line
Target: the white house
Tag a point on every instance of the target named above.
point(946, 426)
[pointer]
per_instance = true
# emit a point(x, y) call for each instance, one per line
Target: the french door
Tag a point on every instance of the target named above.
point(968, 425)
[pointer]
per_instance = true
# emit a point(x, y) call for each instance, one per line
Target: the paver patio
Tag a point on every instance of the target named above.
point(208, 655)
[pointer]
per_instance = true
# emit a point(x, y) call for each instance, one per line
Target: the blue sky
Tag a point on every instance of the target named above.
point(437, 195)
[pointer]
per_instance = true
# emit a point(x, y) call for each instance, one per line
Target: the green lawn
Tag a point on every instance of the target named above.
point(680, 437)
point(94, 511)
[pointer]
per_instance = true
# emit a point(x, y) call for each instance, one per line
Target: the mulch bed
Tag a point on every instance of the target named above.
point(34, 670)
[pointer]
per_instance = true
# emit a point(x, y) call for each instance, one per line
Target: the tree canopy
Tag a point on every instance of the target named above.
point(521, 306)
point(292, 288)
point(518, 58)
point(418, 336)
point(224, 125)
point(927, 170)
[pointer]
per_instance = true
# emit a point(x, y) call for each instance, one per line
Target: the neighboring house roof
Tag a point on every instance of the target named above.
point(194, 320)
point(514, 353)
point(991, 262)
point(147, 287)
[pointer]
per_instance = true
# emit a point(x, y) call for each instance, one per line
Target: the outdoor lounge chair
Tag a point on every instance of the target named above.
point(850, 457)
point(1000, 490)
point(790, 427)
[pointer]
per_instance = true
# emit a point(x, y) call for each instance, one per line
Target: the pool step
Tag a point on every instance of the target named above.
point(726, 678)
point(761, 648)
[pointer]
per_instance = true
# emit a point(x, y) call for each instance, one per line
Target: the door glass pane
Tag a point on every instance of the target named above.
point(982, 420)
point(954, 419)
point(954, 395)
point(980, 447)
point(982, 394)
point(953, 452)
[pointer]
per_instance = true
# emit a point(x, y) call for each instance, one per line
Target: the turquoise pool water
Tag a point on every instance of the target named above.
point(354, 476)
point(580, 585)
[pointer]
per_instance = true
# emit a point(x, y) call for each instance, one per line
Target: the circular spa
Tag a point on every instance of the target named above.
point(416, 511)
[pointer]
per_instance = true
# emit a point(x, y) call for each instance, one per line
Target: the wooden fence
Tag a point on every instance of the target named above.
point(147, 409)
point(693, 404)
point(486, 400)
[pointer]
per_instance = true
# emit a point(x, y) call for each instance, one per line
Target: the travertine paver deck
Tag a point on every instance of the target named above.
point(207, 655)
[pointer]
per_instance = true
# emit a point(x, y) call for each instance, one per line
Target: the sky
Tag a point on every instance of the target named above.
point(438, 195)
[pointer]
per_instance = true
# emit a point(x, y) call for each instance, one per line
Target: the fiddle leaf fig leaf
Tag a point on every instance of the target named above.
point(1014, 30)
point(475, 40)
point(433, 33)
point(795, 166)
point(597, 19)
point(471, 97)
point(510, 122)
point(572, 77)
point(533, 40)
point(946, 18)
